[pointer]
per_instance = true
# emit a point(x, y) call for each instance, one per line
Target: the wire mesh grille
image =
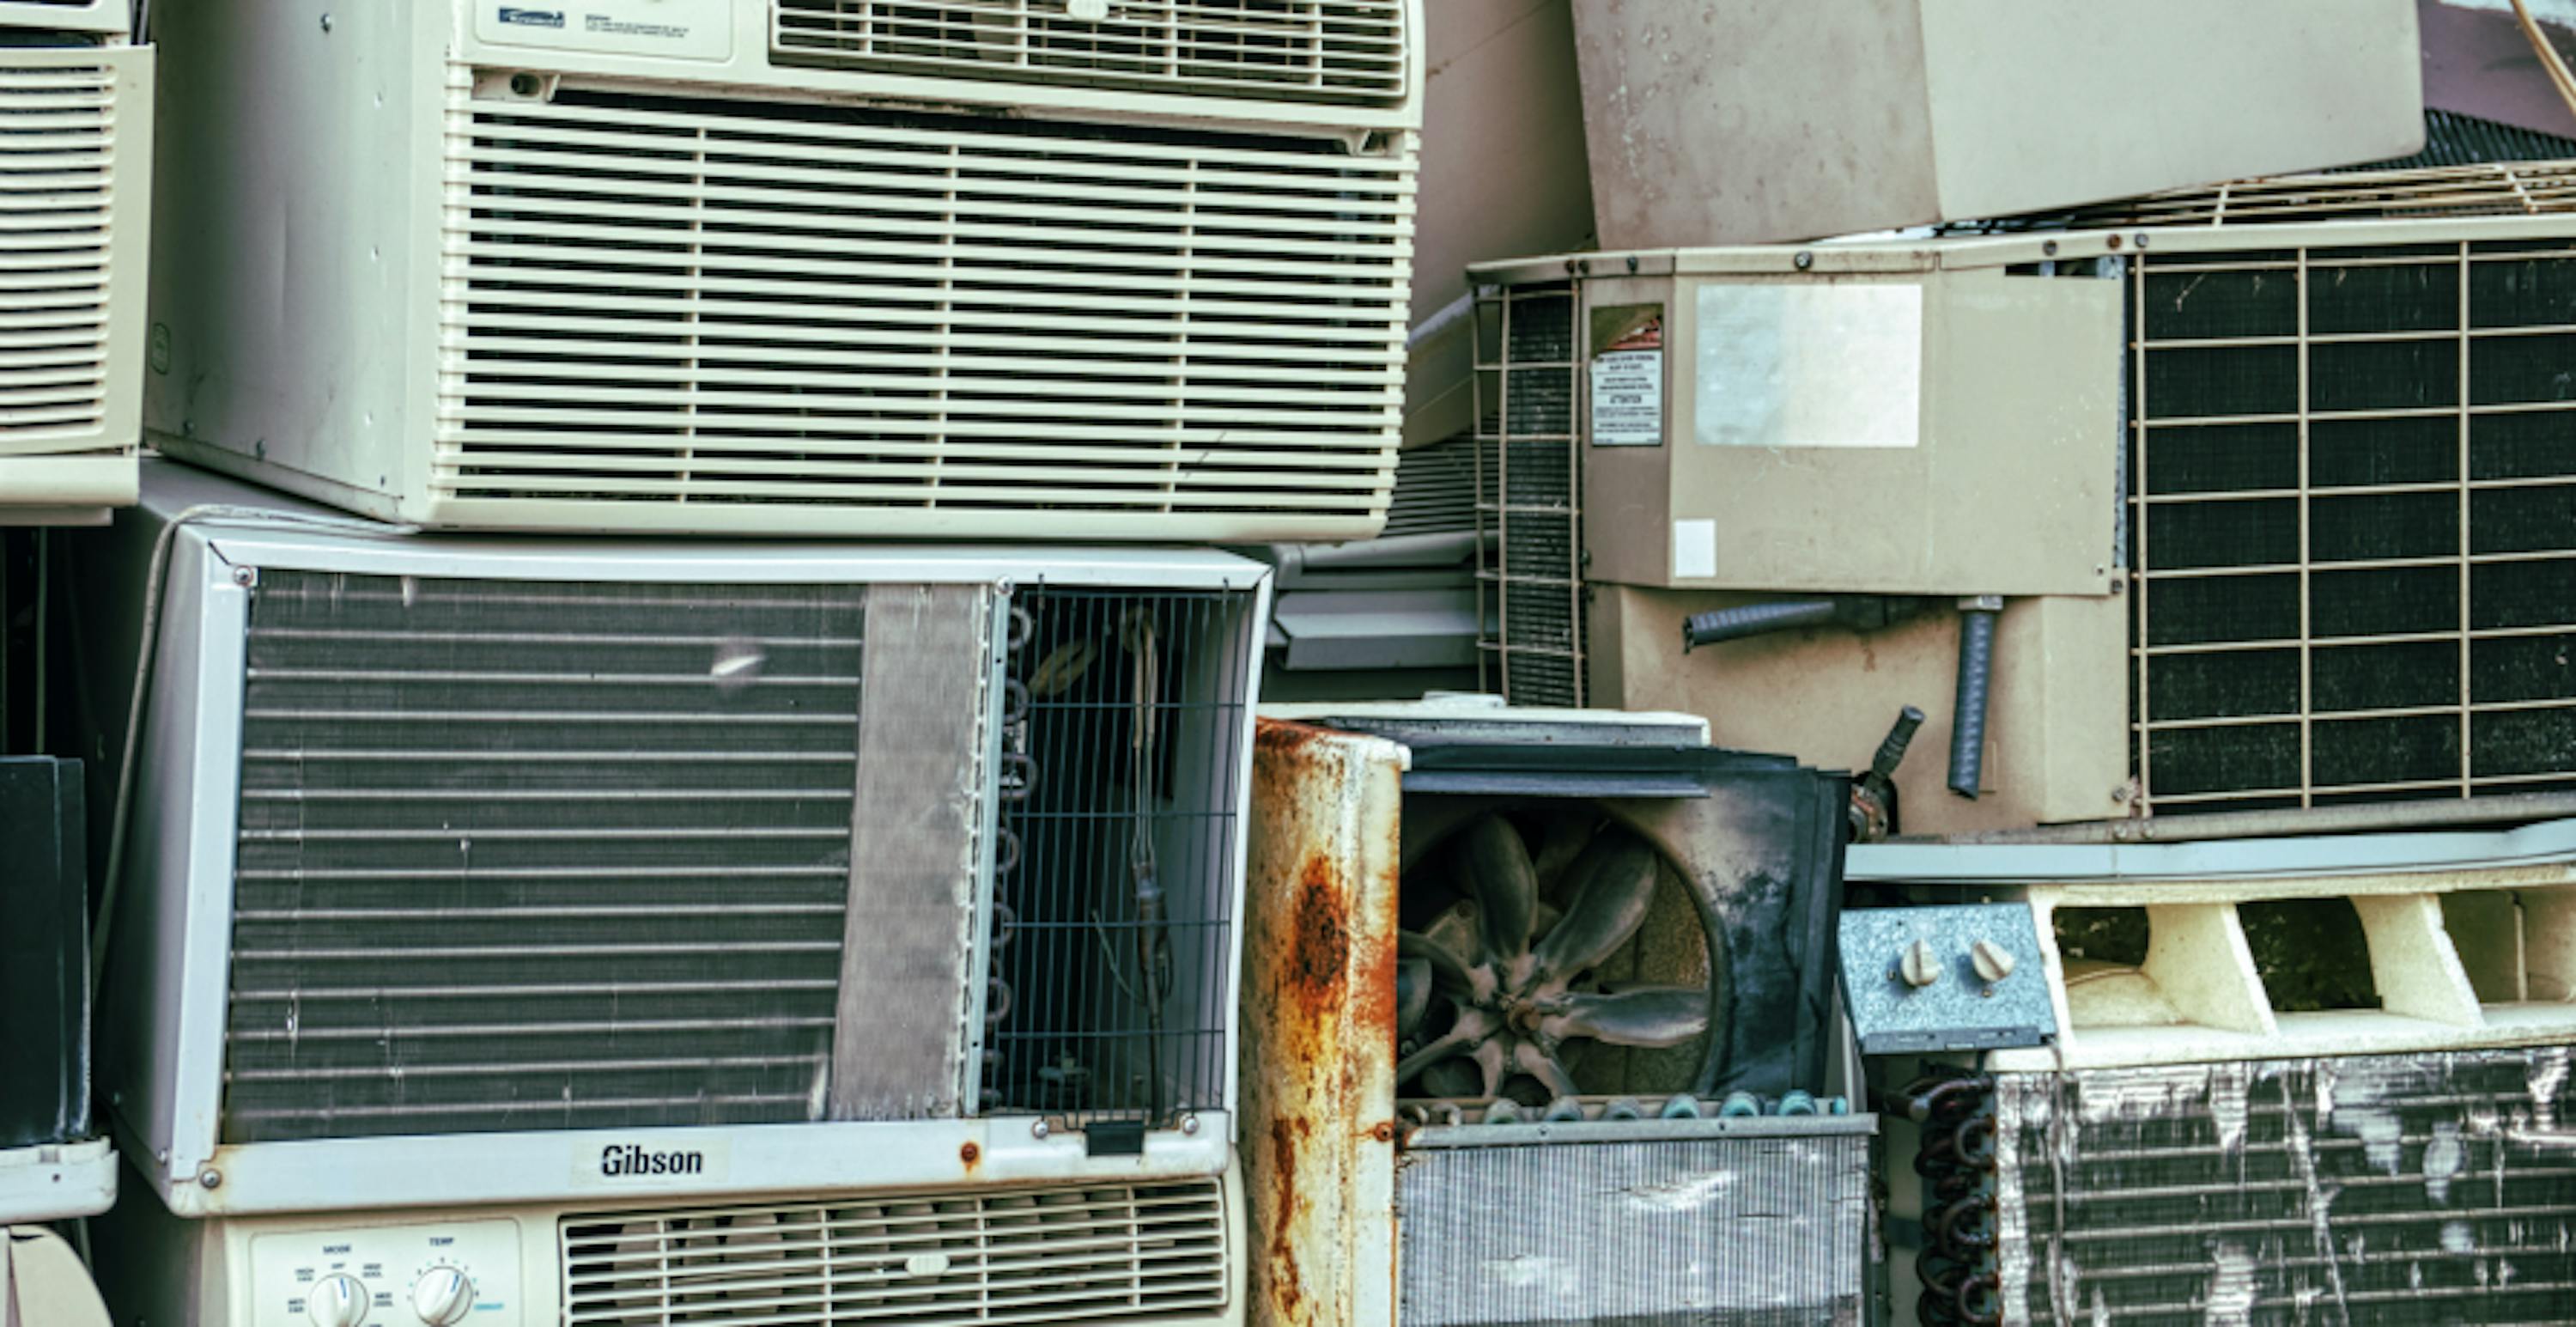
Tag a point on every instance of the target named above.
point(933, 323)
point(1529, 505)
point(1348, 52)
point(1103, 1254)
point(1115, 880)
point(2353, 524)
point(520, 855)
point(2428, 1188)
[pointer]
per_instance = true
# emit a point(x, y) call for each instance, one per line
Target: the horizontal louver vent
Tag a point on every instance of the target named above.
point(1348, 52)
point(2436, 1188)
point(2354, 523)
point(1103, 1254)
point(527, 855)
point(57, 144)
point(2527, 188)
point(881, 323)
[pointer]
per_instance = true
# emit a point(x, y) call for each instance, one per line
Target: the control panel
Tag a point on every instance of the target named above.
point(464, 1272)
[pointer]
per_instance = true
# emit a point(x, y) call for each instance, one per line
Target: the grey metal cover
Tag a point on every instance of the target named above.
point(1961, 1010)
point(526, 855)
point(1751, 1222)
point(2434, 1188)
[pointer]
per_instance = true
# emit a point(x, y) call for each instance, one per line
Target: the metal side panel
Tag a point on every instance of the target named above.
point(1319, 1026)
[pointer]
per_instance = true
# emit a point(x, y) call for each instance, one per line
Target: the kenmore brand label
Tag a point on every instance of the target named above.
point(657, 29)
point(634, 1160)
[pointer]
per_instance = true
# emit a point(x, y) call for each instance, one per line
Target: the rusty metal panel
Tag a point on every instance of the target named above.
point(1319, 936)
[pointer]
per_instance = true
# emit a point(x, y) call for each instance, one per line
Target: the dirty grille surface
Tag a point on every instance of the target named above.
point(1740, 1231)
point(1337, 51)
point(886, 323)
point(2354, 533)
point(1528, 494)
point(58, 130)
point(1123, 763)
point(1103, 1254)
point(529, 855)
point(2433, 1188)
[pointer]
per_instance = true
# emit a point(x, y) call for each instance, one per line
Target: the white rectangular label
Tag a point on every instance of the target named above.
point(650, 1159)
point(679, 29)
point(1810, 365)
point(1628, 398)
point(1694, 550)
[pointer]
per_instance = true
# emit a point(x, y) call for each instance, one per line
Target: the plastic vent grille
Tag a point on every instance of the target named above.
point(2354, 523)
point(1104, 1254)
point(1124, 765)
point(1528, 494)
point(527, 855)
point(880, 323)
point(2435, 1188)
point(1346, 52)
point(57, 146)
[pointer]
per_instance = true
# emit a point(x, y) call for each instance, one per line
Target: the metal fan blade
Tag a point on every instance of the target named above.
point(1489, 1061)
point(1412, 994)
point(1538, 1064)
point(1562, 836)
point(1442, 1048)
point(1614, 882)
point(1448, 971)
point(1642, 1016)
point(1493, 867)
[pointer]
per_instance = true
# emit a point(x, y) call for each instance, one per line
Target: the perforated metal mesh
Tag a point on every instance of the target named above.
point(2354, 523)
point(1123, 765)
point(1529, 502)
point(1349, 52)
point(530, 855)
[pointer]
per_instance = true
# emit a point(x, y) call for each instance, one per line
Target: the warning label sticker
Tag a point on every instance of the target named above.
point(1628, 376)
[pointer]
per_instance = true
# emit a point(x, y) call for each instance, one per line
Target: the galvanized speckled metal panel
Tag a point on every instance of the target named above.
point(2432, 1188)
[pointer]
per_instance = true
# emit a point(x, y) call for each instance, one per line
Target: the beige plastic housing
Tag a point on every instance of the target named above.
point(2056, 726)
point(2460, 959)
point(1736, 121)
point(1935, 417)
point(73, 242)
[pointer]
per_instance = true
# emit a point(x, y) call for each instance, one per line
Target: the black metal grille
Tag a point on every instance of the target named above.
point(2354, 537)
point(1123, 755)
point(2433, 1188)
point(1529, 504)
point(527, 855)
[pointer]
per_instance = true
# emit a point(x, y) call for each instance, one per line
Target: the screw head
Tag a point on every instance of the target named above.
point(1189, 1124)
point(2049, 247)
point(1037, 1128)
point(210, 1178)
point(1803, 261)
point(326, 22)
point(245, 577)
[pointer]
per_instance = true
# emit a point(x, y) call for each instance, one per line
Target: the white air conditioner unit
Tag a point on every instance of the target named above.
point(2275, 516)
point(1165, 1252)
point(2288, 1072)
point(1037, 269)
point(73, 227)
point(472, 871)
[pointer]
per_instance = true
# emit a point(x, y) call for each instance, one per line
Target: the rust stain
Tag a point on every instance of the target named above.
point(1287, 1287)
point(971, 1155)
point(1383, 1131)
point(1279, 737)
point(1319, 939)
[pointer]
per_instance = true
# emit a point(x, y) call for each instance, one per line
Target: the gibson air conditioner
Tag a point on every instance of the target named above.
point(2192, 517)
point(77, 152)
point(462, 871)
point(1035, 269)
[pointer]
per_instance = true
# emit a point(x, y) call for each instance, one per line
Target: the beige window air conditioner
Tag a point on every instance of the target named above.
point(77, 152)
point(2259, 516)
point(1039, 268)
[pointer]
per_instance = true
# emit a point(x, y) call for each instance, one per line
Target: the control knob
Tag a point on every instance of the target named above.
point(442, 1295)
point(336, 1301)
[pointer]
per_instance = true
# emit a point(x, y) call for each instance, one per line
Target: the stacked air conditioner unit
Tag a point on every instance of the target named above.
point(1539, 1025)
point(53, 1165)
point(1098, 269)
point(2321, 1078)
point(77, 156)
point(526, 931)
point(2215, 517)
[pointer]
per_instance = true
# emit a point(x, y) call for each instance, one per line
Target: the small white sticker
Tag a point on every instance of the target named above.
point(649, 1158)
point(1628, 398)
point(1694, 550)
